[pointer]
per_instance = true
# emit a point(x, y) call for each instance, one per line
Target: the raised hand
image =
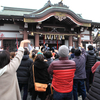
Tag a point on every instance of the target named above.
point(81, 45)
point(23, 42)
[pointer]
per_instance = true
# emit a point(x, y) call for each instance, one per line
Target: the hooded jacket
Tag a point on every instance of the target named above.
point(49, 61)
point(80, 72)
point(80, 61)
point(40, 70)
point(23, 72)
point(90, 59)
point(9, 89)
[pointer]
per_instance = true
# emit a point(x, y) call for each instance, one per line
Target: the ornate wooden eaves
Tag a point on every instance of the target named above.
point(29, 20)
point(58, 15)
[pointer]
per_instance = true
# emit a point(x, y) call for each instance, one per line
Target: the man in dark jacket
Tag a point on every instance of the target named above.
point(63, 73)
point(23, 73)
point(80, 73)
point(48, 56)
point(90, 61)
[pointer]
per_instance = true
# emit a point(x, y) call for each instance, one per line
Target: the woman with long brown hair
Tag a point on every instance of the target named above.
point(9, 89)
point(41, 75)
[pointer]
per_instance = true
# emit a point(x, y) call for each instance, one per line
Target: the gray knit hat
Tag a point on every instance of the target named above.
point(63, 51)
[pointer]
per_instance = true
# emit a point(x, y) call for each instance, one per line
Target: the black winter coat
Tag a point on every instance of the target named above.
point(41, 74)
point(90, 59)
point(23, 73)
point(49, 61)
point(94, 92)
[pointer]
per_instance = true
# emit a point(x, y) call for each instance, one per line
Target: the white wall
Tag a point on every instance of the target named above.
point(11, 27)
point(85, 32)
point(67, 43)
point(32, 42)
point(73, 44)
point(12, 34)
point(85, 37)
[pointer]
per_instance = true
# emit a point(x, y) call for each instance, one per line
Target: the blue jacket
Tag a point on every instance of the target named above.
point(80, 61)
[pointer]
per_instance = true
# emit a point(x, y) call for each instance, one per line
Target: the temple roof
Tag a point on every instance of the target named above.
point(56, 9)
point(46, 9)
point(44, 13)
point(49, 4)
point(9, 11)
point(50, 10)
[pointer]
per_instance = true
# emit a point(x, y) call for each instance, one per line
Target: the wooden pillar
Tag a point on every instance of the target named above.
point(91, 38)
point(79, 39)
point(70, 42)
point(37, 41)
point(2, 43)
point(25, 36)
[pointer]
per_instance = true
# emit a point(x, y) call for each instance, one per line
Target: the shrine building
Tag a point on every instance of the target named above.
point(54, 24)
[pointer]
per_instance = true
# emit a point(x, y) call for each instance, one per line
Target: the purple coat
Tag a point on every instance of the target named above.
point(80, 61)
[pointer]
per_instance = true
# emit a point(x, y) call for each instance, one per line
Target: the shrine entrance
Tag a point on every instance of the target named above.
point(51, 42)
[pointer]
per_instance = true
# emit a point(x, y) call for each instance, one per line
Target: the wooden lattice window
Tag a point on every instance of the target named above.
point(10, 45)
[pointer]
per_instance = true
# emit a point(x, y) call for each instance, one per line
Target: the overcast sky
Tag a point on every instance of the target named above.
point(90, 9)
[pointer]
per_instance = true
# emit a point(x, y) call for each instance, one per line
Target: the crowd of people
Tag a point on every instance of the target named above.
point(68, 73)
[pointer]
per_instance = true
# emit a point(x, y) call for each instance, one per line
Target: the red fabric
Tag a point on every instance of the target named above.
point(53, 54)
point(63, 80)
point(95, 66)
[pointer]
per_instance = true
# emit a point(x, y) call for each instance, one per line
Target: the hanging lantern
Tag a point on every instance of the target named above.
point(63, 37)
point(54, 37)
point(59, 37)
point(45, 37)
point(32, 33)
point(49, 36)
point(78, 36)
